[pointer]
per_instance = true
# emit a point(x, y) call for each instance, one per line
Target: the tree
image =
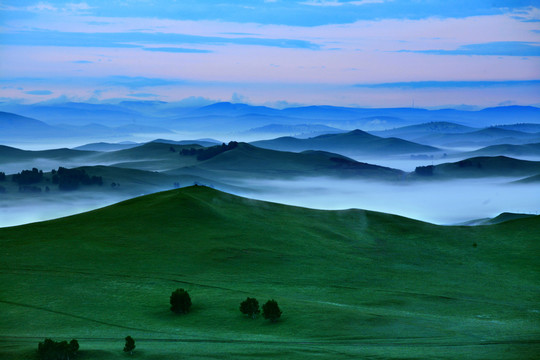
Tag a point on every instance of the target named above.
point(130, 345)
point(73, 346)
point(271, 310)
point(57, 350)
point(180, 301)
point(250, 307)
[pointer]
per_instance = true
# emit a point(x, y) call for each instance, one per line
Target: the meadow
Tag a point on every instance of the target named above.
point(351, 284)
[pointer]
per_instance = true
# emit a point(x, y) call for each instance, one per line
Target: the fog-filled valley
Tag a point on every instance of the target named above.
point(440, 166)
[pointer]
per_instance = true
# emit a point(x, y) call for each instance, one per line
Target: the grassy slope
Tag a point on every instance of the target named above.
point(351, 284)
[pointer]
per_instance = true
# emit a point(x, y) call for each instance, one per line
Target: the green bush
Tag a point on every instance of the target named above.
point(180, 301)
point(271, 310)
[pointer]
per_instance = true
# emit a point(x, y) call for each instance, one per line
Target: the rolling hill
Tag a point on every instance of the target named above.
point(248, 161)
point(413, 132)
point(523, 127)
point(105, 146)
point(351, 284)
point(152, 156)
point(482, 166)
point(479, 138)
point(297, 130)
point(10, 154)
point(356, 142)
point(507, 150)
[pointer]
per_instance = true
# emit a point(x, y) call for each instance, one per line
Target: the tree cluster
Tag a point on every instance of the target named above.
point(57, 350)
point(2, 176)
point(271, 310)
point(70, 179)
point(28, 177)
point(209, 152)
point(424, 170)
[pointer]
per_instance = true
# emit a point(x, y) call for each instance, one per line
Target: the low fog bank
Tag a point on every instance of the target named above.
point(444, 203)
point(404, 163)
point(42, 207)
point(408, 164)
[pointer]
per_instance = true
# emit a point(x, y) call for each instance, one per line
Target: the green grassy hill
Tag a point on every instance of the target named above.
point(351, 284)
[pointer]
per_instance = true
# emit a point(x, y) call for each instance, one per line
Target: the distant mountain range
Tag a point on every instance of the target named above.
point(299, 130)
point(15, 127)
point(227, 117)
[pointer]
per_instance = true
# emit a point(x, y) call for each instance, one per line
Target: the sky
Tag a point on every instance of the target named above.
point(365, 53)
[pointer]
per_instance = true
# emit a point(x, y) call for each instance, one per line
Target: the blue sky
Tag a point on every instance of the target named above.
point(273, 52)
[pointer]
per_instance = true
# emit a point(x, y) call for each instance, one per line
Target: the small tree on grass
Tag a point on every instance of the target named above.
point(73, 346)
point(180, 301)
point(130, 345)
point(271, 310)
point(250, 307)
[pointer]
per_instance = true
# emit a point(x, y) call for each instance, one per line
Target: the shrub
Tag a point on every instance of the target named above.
point(180, 301)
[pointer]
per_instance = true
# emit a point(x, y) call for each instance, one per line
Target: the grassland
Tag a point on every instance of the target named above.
point(352, 284)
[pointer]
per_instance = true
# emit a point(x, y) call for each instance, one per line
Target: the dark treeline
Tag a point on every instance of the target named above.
point(210, 152)
point(70, 179)
point(424, 170)
point(27, 177)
